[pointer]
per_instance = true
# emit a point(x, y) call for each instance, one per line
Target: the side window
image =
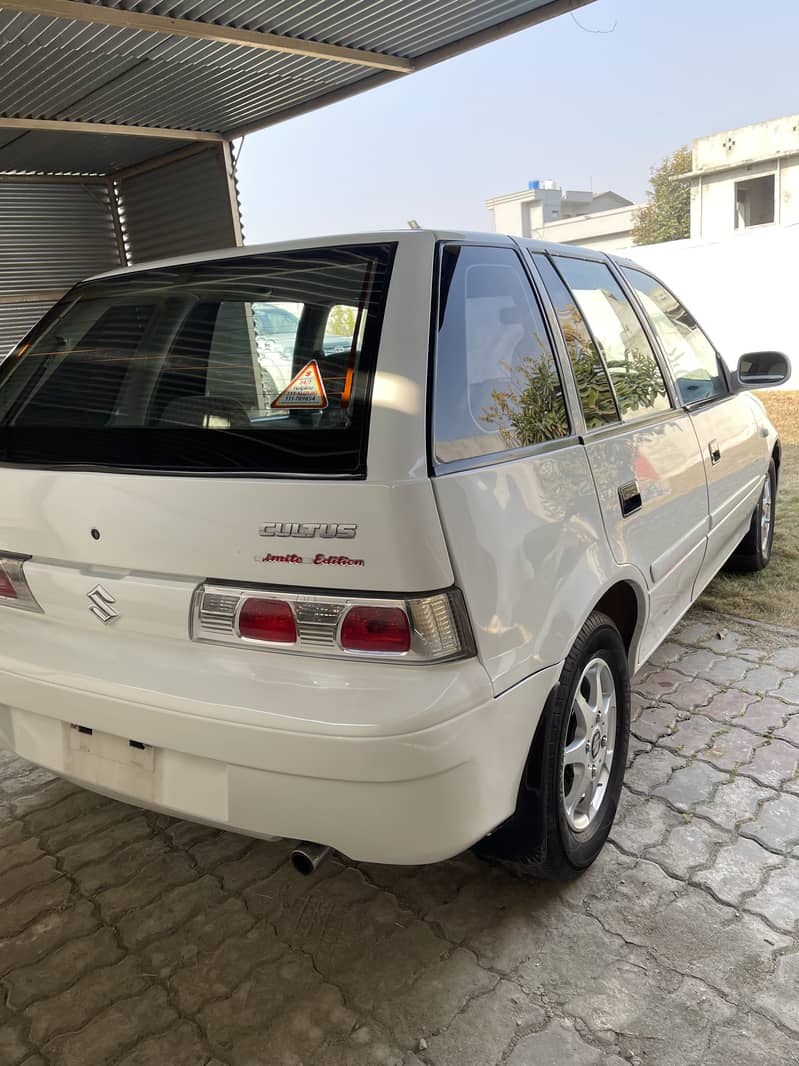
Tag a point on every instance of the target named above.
point(596, 395)
point(693, 359)
point(497, 384)
point(636, 377)
point(340, 329)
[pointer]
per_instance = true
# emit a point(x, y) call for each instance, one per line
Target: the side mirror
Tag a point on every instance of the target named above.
point(762, 370)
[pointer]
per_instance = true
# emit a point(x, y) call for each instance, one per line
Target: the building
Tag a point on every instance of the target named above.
point(544, 211)
point(745, 178)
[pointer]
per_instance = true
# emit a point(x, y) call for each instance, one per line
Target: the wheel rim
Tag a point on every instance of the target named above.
point(766, 503)
point(589, 745)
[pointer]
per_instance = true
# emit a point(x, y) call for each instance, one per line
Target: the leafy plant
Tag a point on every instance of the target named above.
point(666, 216)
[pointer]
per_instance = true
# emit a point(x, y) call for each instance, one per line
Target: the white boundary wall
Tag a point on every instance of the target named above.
point(743, 289)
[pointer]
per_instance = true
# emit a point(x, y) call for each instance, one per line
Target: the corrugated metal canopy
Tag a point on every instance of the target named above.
point(222, 69)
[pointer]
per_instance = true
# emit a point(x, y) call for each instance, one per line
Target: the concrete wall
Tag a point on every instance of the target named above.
point(606, 231)
point(742, 290)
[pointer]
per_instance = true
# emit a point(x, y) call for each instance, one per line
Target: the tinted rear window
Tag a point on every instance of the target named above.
point(259, 363)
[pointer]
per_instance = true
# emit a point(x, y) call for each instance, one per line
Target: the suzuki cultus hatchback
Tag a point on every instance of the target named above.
point(391, 606)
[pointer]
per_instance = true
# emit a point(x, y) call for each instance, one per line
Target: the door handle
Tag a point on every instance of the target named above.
point(630, 498)
point(715, 452)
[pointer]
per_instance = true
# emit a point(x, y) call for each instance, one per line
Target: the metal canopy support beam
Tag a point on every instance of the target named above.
point(62, 126)
point(208, 31)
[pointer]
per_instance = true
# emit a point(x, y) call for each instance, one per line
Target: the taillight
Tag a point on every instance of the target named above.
point(271, 620)
point(14, 588)
point(418, 629)
point(375, 629)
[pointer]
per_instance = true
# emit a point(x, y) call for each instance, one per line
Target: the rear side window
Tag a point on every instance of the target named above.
point(224, 366)
point(497, 385)
point(693, 359)
point(591, 377)
point(634, 372)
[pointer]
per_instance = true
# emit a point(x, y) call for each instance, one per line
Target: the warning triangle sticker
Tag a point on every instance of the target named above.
point(305, 391)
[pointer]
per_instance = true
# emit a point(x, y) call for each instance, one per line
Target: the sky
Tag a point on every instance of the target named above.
point(592, 100)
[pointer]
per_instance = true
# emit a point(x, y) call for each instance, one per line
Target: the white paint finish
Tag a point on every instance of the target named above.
point(530, 554)
point(664, 460)
point(439, 789)
point(735, 481)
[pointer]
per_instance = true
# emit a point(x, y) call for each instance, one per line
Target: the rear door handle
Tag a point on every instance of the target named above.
point(715, 452)
point(630, 498)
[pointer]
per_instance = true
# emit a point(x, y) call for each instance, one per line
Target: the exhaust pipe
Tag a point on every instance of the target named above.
point(307, 857)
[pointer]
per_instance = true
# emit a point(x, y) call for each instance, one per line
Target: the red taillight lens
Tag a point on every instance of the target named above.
point(375, 629)
point(273, 620)
point(7, 590)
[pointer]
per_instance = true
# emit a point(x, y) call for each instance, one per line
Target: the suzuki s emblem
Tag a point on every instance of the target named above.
point(101, 600)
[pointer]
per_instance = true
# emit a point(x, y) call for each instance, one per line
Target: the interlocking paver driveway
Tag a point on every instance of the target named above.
point(133, 939)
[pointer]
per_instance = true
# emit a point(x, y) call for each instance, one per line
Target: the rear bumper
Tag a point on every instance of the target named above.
point(328, 762)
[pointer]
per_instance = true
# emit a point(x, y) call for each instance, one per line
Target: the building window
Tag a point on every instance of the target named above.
point(754, 202)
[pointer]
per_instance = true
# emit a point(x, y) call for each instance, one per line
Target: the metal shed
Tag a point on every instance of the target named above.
point(117, 116)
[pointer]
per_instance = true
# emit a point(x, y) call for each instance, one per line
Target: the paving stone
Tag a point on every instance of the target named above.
point(640, 823)
point(738, 870)
point(777, 824)
point(422, 888)
point(638, 704)
point(719, 669)
point(689, 846)
point(734, 802)
point(99, 847)
point(653, 723)
point(690, 785)
point(777, 900)
point(434, 999)
point(216, 975)
point(55, 804)
point(764, 716)
point(224, 847)
point(750, 1041)
point(199, 936)
point(62, 967)
point(691, 735)
point(778, 998)
point(23, 878)
point(728, 705)
point(11, 832)
point(667, 653)
point(13, 1047)
point(32, 903)
point(636, 747)
point(20, 853)
point(764, 680)
point(651, 769)
point(114, 1029)
point(182, 1045)
point(773, 764)
point(691, 694)
point(559, 1043)
point(731, 749)
point(723, 641)
point(163, 872)
point(790, 730)
point(168, 912)
point(657, 684)
point(85, 826)
point(694, 632)
point(479, 1034)
point(789, 689)
point(121, 866)
point(31, 781)
point(786, 658)
point(185, 835)
point(262, 861)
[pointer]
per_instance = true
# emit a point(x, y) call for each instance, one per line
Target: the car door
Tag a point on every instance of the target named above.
point(734, 451)
point(642, 449)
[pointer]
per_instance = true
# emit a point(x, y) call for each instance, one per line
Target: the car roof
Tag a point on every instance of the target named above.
point(370, 237)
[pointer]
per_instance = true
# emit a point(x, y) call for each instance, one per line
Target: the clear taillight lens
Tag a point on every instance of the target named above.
point(14, 588)
point(431, 628)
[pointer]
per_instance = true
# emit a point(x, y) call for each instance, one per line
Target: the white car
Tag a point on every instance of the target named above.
point(394, 610)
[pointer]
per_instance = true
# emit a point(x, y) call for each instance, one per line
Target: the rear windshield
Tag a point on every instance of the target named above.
point(259, 363)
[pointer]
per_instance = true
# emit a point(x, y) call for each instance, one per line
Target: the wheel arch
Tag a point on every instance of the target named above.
point(624, 602)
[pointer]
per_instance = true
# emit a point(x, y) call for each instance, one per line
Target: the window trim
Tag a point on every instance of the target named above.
point(438, 467)
point(690, 405)
point(671, 393)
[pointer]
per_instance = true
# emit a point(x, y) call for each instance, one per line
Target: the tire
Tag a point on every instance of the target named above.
point(554, 833)
point(754, 551)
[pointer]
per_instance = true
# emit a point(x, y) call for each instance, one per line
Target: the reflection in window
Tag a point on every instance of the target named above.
point(636, 377)
point(497, 383)
point(692, 358)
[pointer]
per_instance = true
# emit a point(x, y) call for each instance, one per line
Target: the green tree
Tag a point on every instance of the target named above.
point(341, 322)
point(666, 216)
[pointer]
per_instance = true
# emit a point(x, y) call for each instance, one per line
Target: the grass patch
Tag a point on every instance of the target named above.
point(773, 594)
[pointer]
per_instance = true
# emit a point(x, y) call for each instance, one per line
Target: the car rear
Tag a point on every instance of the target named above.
point(233, 606)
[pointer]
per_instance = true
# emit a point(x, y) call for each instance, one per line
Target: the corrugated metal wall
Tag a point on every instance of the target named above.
point(185, 207)
point(51, 235)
